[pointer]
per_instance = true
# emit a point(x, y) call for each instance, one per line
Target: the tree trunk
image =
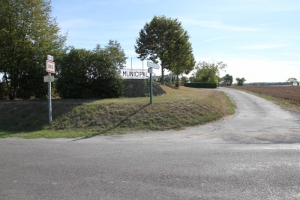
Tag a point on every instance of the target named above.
point(10, 91)
point(162, 76)
point(10, 94)
point(177, 81)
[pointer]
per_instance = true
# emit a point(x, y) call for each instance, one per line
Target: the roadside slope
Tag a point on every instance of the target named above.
point(177, 109)
point(255, 121)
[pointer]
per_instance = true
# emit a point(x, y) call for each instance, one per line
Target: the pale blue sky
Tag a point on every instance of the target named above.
point(257, 39)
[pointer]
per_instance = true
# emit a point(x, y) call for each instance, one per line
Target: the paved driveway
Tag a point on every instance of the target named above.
point(251, 155)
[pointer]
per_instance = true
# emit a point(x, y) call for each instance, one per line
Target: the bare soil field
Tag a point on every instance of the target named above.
point(288, 93)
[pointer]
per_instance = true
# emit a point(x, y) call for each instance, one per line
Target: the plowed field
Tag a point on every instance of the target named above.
point(289, 93)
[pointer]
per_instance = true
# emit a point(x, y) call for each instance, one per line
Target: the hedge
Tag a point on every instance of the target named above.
point(201, 85)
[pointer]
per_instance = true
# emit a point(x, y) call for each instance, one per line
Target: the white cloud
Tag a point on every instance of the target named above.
point(262, 46)
point(268, 24)
point(217, 25)
point(213, 39)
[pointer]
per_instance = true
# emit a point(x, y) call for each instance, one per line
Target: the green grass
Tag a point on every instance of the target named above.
point(177, 109)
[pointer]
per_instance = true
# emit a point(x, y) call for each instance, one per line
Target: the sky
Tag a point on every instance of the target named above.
point(257, 39)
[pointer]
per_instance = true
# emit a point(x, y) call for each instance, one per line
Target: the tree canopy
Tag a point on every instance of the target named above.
point(28, 33)
point(240, 81)
point(116, 54)
point(227, 80)
point(208, 72)
point(164, 40)
point(88, 74)
point(292, 80)
point(181, 58)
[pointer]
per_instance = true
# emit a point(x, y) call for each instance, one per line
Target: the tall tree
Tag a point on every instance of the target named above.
point(28, 33)
point(158, 40)
point(180, 58)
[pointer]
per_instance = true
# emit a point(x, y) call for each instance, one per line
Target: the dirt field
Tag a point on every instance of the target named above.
point(290, 93)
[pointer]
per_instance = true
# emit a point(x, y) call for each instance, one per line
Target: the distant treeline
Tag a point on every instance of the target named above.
point(267, 83)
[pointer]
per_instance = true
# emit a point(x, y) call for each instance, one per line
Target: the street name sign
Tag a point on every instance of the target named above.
point(48, 78)
point(152, 65)
point(49, 57)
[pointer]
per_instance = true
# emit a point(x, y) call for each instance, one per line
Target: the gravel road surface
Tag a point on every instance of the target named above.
point(254, 154)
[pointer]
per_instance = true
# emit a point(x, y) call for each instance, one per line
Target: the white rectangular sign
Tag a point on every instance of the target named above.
point(48, 78)
point(153, 65)
point(50, 66)
point(49, 57)
point(134, 73)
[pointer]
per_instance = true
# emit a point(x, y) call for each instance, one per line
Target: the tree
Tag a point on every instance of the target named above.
point(181, 58)
point(227, 80)
point(184, 80)
point(208, 72)
point(71, 73)
point(240, 81)
point(116, 54)
point(28, 33)
point(292, 80)
point(88, 74)
point(162, 39)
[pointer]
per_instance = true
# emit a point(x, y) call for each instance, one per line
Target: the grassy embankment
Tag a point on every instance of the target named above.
point(177, 109)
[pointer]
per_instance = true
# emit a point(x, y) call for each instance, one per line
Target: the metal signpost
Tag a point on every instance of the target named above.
point(151, 66)
point(50, 68)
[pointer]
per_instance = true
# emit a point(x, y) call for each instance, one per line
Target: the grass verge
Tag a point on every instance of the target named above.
point(177, 109)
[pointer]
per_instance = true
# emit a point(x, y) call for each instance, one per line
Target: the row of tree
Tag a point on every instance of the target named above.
point(164, 40)
point(207, 73)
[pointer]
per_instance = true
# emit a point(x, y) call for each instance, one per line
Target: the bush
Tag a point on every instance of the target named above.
point(201, 85)
point(32, 85)
point(85, 74)
point(108, 85)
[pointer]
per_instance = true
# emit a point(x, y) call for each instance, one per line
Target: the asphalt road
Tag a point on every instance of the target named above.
point(251, 155)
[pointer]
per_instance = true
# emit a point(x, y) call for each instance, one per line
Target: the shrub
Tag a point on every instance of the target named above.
point(86, 74)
